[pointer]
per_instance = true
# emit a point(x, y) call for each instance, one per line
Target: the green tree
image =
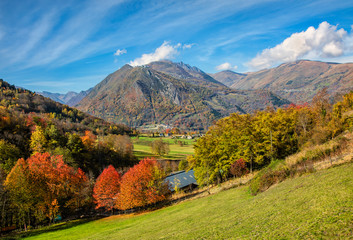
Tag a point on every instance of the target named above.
point(9, 154)
point(20, 190)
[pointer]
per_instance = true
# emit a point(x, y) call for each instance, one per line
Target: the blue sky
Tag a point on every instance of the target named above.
point(66, 45)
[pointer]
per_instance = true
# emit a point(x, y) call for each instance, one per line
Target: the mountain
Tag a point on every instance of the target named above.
point(186, 72)
point(228, 77)
point(299, 81)
point(143, 95)
point(57, 97)
point(74, 100)
point(70, 98)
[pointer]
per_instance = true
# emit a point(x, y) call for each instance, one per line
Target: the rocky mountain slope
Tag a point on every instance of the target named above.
point(186, 72)
point(297, 81)
point(143, 95)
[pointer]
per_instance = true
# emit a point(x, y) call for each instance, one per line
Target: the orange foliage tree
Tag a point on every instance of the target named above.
point(106, 188)
point(142, 185)
point(50, 183)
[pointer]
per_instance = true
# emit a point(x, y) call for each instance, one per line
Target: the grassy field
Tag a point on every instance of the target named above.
point(314, 206)
point(142, 148)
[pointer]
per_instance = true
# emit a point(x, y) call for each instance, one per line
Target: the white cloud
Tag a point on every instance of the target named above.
point(120, 52)
point(226, 66)
point(165, 51)
point(324, 42)
point(187, 46)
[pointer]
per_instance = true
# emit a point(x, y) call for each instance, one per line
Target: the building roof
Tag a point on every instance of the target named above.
point(181, 179)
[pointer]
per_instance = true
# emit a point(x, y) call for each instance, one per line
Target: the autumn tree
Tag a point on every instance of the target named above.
point(238, 168)
point(142, 185)
point(81, 189)
point(322, 111)
point(160, 147)
point(121, 144)
point(258, 139)
point(45, 183)
point(88, 139)
point(106, 188)
point(38, 141)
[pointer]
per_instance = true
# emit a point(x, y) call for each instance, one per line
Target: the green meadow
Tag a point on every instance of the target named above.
point(142, 148)
point(313, 206)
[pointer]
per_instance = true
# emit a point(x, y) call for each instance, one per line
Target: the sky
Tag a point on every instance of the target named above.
point(72, 45)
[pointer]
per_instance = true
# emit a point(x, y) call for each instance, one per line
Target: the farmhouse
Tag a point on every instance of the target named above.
point(181, 180)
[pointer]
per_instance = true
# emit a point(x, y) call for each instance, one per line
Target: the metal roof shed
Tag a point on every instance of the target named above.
point(181, 179)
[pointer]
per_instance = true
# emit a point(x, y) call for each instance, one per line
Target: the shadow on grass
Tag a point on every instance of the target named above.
point(47, 229)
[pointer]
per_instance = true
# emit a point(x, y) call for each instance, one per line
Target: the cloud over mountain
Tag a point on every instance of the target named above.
point(226, 66)
point(324, 42)
point(165, 51)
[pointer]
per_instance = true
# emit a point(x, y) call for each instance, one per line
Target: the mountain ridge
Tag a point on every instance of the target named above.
point(142, 95)
point(298, 81)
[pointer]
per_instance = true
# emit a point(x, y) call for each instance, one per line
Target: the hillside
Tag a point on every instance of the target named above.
point(25, 114)
point(143, 95)
point(299, 81)
point(313, 206)
point(228, 77)
point(20, 101)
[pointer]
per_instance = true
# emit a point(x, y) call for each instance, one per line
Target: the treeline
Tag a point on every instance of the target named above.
point(43, 188)
point(266, 136)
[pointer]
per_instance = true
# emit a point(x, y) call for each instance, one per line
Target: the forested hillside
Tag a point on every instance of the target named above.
point(32, 123)
point(50, 155)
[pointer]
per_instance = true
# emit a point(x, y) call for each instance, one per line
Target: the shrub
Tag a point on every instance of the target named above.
point(238, 168)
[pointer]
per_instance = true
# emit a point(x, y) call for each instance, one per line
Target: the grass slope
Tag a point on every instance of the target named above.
point(313, 206)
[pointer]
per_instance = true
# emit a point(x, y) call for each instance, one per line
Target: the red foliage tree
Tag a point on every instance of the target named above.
point(106, 188)
point(238, 168)
point(142, 185)
point(81, 190)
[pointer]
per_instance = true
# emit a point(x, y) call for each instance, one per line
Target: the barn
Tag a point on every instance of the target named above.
point(182, 180)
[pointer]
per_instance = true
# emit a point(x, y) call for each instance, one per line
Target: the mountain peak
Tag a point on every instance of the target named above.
point(186, 72)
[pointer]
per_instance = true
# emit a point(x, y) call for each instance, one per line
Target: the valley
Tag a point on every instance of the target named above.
point(191, 119)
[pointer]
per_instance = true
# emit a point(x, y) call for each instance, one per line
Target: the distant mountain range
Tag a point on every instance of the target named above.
point(180, 95)
point(171, 93)
point(297, 81)
point(69, 98)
